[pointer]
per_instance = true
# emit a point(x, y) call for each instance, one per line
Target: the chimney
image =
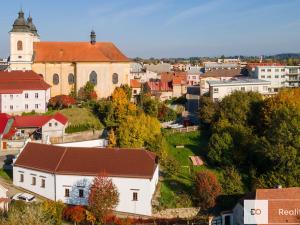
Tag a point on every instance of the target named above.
point(93, 37)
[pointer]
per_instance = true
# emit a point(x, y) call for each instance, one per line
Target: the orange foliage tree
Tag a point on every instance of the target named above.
point(103, 197)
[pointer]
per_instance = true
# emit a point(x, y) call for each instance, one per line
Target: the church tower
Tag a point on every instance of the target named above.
point(22, 36)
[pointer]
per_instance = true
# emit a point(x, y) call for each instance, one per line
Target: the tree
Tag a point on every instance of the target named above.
point(112, 140)
point(207, 112)
point(53, 210)
point(207, 189)
point(87, 92)
point(231, 181)
point(137, 131)
point(75, 214)
point(61, 101)
point(103, 197)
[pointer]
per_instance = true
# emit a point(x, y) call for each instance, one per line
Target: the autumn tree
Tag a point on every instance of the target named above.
point(138, 131)
point(87, 92)
point(112, 140)
point(53, 210)
point(75, 214)
point(103, 197)
point(207, 189)
point(61, 101)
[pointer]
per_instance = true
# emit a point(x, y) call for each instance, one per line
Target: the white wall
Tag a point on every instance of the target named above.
point(56, 129)
point(275, 74)
point(126, 186)
point(47, 192)
point(18, 101)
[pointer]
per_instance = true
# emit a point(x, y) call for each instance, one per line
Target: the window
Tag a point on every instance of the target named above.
point(282, 70)
point(265, 88)
point(33, 181)
point(216, 90)
point(26, 95)
point(93, 78)
point(115, 78)
point(81, 195)
point(11, 107)
point(134, 91)
point(134, 196)
point(56, 124)
point(19, 45)
point(55, 79)
point(269, 70)
point(276, 70)
point(36, 106)
point(243, 89)
point(36, 95)
point(282, 76)
point(21, 177)
point(43, 183)
point(11, 96)
point(67, 192)
point(263, 76)
point(50, 124)
point(269, 76)
point(71, 78)
point(276, 76)
point(26, 106)
point(262, 70)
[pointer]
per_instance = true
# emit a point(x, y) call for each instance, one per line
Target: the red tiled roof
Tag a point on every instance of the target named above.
point(77, 52)
point(158, 85)
point(37, 120)
point(135, 83)
point(114, 162)
point(4, 118)
point(17, 81)
point(177, 78)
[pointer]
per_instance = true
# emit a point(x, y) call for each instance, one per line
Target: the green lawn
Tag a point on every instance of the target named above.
point(177, 191)
point(7, 175)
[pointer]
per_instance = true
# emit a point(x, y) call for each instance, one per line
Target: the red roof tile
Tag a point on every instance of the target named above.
point(4, 118)
point(222, 73)
point(37, 120)
point(135, 83)
point(18, 81)
point(115, 162)
point(77, 52)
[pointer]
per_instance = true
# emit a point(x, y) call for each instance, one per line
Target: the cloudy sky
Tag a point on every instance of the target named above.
point(165, 28)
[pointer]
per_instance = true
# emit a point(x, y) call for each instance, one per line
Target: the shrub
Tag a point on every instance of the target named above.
point(75, 214)
point(61, 101)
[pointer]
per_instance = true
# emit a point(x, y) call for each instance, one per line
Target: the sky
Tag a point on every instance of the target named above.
point(165, 28)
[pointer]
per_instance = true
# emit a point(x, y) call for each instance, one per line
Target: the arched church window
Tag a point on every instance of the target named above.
point(93, 77)
point(20, 45)
point(71, 78)
point(115, 78)
point(55, 79)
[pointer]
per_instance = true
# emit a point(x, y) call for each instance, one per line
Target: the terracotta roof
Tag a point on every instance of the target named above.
point(114, 162)
point(77, 52)
point(253, 65)
point(222, 73)
point(4, 118)
point(37, 120)
point(158, 85)
point(13, 82)
point(135, 83)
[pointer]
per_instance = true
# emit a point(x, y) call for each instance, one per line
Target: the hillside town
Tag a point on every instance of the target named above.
point(91, 136)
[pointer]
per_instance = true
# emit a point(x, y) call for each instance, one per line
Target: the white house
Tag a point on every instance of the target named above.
point(4, 200)
point(219, 89)
point(39, 127)
point(23, 91)
point(66, 173)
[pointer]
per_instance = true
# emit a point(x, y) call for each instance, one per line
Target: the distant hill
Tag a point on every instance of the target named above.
point(286, 55)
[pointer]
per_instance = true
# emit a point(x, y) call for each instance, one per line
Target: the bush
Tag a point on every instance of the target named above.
point(78, 128)
point(76, 214)
point(171, 166)
point(61, 102)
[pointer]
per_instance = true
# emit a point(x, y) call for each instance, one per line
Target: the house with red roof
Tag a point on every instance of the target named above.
point(38, 127)
point(66, 173)
point(23, 91)
point(6, 122)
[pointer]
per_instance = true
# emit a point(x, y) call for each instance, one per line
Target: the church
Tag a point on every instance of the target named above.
point(67, 66)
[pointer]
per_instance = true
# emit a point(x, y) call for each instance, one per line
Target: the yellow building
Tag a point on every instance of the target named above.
point(67, 66)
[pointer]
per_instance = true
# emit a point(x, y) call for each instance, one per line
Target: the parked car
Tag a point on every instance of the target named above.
point(175, 125)
point(24, 197)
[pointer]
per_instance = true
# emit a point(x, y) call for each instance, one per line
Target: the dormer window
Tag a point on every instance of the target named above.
point(20, 45)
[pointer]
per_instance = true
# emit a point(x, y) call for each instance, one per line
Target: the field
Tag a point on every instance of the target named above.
point(177, 191)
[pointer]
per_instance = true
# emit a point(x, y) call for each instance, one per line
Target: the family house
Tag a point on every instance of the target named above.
point(23, 91)
point(39, 127)
point(66, 173)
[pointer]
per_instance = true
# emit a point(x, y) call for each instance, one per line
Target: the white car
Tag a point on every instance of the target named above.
point(175, 125)
point(24, 197)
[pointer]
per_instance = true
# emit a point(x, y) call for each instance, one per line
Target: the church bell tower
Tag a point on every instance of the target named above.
point(22, 36)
